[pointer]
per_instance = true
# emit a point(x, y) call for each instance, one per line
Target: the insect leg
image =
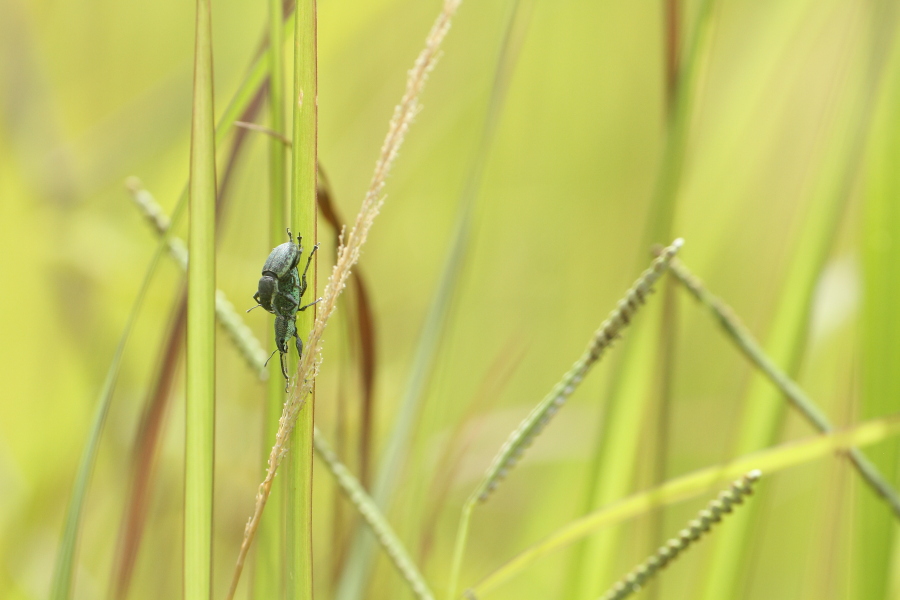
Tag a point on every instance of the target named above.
point(287, 380)
point(308, 305)
point(308, 262)
point(309, 259)
point(291, 303)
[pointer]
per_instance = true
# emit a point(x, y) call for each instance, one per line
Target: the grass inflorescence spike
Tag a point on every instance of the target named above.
point(370, 513)
point(609, 331)
point(707, 517)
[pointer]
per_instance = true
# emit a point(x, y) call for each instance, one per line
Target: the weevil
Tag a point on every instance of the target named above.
point(279, 292)
point(282, 261)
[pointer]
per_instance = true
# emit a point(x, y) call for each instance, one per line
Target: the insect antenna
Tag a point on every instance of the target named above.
point(265, 364)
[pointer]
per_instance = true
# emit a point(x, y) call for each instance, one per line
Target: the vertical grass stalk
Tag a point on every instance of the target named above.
point(299, 480)
point(269, 572)
point(61, 586)
point(201, 332)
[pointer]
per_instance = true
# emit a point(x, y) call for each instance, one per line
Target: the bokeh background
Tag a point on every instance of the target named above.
point(774, 154)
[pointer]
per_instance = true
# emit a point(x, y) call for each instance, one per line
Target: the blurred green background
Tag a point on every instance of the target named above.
point(790, 172)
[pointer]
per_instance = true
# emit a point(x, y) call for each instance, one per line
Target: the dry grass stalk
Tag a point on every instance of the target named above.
point(348, 255)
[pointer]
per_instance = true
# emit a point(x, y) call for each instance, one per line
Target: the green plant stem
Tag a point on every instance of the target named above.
point(299, 552)
point(787, 386)
point(875, 564)
point(201, 325)
point(769, 461)
point(269, 566)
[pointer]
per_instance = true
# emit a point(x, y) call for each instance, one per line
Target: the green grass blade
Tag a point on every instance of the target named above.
point(62, 579)
point(268, 574)
point(876, 537)
point(299, 481)
point(201, 323)
point(687, 486)
point(61, 586)
point(348, 255)
point(763, 409)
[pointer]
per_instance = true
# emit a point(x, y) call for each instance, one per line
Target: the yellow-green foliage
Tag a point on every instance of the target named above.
point(787, 170)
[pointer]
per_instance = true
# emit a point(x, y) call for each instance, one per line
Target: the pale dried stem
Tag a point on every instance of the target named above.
point(348, 255)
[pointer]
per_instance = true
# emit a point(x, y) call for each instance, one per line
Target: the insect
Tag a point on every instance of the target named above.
point(279, 292)
point(282, 260)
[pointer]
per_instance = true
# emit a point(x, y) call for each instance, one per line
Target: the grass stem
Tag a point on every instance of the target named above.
point(201, 323)
point(299, 481)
